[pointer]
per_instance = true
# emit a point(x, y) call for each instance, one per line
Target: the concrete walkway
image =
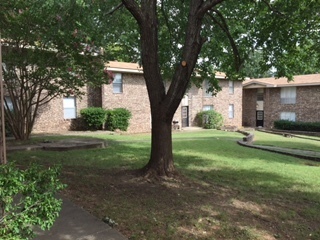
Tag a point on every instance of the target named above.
point(74, 223)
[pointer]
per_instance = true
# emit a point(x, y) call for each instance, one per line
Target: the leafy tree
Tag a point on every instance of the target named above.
point(252, 67)
point(177, 37)
point(27, 199)
point(50, 49)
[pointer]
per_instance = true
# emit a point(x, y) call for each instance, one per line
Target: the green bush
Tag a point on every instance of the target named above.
point(118, 118)
point(27, 199)
point(94, 117)
point(209, 119)
point(297, 126)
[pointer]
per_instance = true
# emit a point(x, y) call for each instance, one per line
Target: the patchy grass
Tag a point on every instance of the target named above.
point(224, 191)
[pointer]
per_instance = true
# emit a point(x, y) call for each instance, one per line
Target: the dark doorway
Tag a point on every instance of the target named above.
point(185, 116)
point(259, 118)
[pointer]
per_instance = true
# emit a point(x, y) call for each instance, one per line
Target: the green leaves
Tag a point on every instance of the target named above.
point(94, 117)
point(27, 199)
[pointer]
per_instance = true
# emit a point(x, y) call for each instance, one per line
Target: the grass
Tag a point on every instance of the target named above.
point(305, 143)
point(225, 191)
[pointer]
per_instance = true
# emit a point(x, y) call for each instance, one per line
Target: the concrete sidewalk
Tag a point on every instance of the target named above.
point(74, 223)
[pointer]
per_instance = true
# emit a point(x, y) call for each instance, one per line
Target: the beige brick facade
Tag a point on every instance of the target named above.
point(134, 97)
point(307, 101)
point(198, 99)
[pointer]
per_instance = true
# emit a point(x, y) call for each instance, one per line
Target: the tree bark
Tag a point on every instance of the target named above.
point(161, 157)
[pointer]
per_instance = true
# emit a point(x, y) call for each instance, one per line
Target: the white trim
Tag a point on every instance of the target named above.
point(124, 70)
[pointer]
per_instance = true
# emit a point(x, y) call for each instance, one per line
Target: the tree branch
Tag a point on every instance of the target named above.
point(166, 21)
point(134, 9)
point(115, 9)
point(224, 27)
point(208, 5)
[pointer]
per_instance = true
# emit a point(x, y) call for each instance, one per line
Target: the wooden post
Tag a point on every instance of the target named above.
point(3, 148)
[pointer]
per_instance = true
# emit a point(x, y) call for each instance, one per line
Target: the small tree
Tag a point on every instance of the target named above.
point(50, 49)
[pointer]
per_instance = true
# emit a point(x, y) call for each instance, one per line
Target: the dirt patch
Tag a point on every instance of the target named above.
point(182, 208)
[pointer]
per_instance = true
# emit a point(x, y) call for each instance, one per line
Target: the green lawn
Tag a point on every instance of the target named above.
point(305, 143)
point(225, 191)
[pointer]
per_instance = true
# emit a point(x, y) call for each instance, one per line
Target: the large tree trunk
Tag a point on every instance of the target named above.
point(161, 157)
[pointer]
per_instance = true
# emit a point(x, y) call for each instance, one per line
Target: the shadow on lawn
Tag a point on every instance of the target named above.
point(222, 202)
point(217, 204)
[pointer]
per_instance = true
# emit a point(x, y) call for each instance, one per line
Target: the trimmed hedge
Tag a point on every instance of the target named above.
point(94, 117)
point(209, 119)
point(297, 126)
point(118, 118)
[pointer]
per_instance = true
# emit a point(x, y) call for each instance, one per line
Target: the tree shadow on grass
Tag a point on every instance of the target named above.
point(213, 199)
point(217, 204)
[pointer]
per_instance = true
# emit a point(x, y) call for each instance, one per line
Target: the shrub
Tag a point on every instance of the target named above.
point(297, 126)
point(209, 119)
point(94, 117)
point(118, 118)
point(27, 200)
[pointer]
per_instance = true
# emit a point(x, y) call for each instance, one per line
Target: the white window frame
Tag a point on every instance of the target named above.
point(260, 94)
point(231, 111)
point(207, 107)
point(290, 116)
point(288, 95)
point(231, 87)
point(117, 84)
point(69, 107)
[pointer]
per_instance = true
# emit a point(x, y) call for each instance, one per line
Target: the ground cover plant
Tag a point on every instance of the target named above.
point(224, 190)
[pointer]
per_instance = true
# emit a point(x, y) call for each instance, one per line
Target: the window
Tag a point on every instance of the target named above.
point(9, 103)
point(117, 83)
point(208, 93)
point(231, 87)
point(291, 116)
point(231, 111)
point(207, 107)
point(288, 95)
point(260, 94)
point(69, 107)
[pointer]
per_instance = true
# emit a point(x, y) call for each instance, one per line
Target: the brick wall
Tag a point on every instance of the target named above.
point(249, 102)
point(50, 117)
point(135, 98)
point(307, 106)
point(198, 99)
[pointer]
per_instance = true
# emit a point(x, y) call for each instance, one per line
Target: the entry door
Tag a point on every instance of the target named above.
point(185, 116)
point(259, 118)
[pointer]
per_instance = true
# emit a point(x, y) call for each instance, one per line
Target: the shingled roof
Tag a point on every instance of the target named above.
point(126, 67)
point(299, 80)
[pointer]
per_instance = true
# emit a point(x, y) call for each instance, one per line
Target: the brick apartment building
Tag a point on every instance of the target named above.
point(268, 99)
point(129, 91)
